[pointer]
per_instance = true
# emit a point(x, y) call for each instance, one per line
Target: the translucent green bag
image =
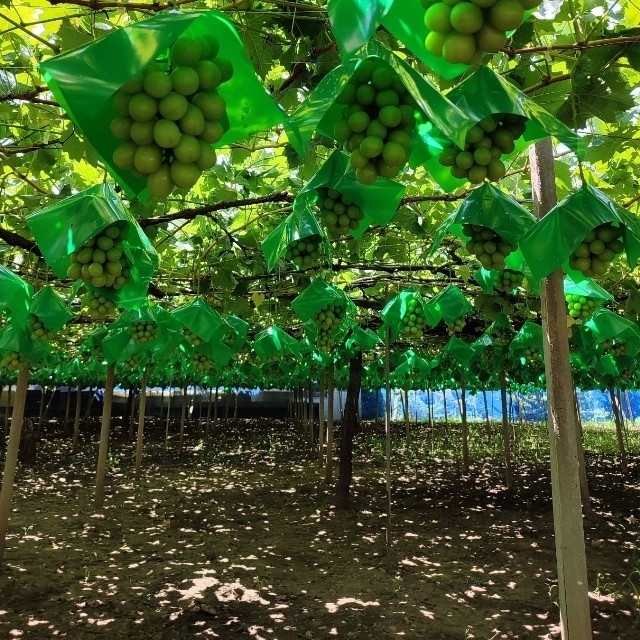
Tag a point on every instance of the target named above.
point(15, 339)
point(606, 325)
point(398, 309)
point(378, 201)
point(412, 371)
point(458, 351)
point(527, 343)
point(236, 339)
point(450, 304)
point(359, 339)
point(273, 342)
point(485, 93)
point(548, 245)
point(200, 318)
point(317, 296)
point(505, 281)
point(15, 296)
point(65, 226)
point(50, 308)
point(500, 332)
point(301, 224)
point(489, 207)
point(85, 80)
point(320, 111)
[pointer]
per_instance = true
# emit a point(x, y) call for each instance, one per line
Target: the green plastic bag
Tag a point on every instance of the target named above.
point(50, 308)
point(398, 309)
point(411, 371)
point(273, 342)
point(505, 281)
point(236, 339)
point(65, 226)
point(527, 343)
point(378, 201)
point(200, 318)
point(15, 296)
point(606, 325)
point(317, 296)
point(500, 332)
point(85, 80)
point(359, 339)
point(450, 304)
point(298, 225)
point(488, 206)
point(485, 93)
point(18, 339)
point(548, 245)
point(438, 115)
point(459, 352)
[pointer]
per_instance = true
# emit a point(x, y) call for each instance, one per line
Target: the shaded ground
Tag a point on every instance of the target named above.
point(241, 540)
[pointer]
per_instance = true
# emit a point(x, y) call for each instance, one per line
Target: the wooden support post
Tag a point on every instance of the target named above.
point(321, 419)
point(141, 412)
point(76, 420)
point(575, 621)
point(183, 416)
point(465, 427)
point(11, 458)
point(207, 425)
point(104, 436)
point(168, 422)
point(506, 432)
point(387, 440)
point(330, 391)
point(584, 482)
point(310, 411)
point(215, 411)
point(407, 430)
point(615, 407)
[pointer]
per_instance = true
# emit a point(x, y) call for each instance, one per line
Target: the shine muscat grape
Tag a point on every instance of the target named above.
point(413, 322)
point(508, 280)
point(98, 306)
point(580, 307)
point(170, 115)
point(456, 326)
point(12, 361)
point(501, 336)
point(488, 247)
point(38, 330)
point(614, 347)
point(463, 31)
point(485, 144)
point(598, 249)
point(143, 331)
point(201, 364)
point(338, 212)
point(304, 252)
point(328, 319)
point(378, 121)
point(101, 261)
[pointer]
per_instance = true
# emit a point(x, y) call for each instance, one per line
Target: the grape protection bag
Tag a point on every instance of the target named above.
point(549, 244)
point(317, 296)
point(273, 341)
point(62, 230)
point(485, 95)
point(459, 351)
point(607, 325)
point(527, 341)
point(85, 81)
point(399, 310)
point(488, 207)
point(450, 304)
point(237, 337)
point(299, 226)
point(200, 318)
point(377, 203)
point(15, 296)
point(50, 308)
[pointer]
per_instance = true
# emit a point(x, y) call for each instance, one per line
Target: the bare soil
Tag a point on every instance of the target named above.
point(241, 539)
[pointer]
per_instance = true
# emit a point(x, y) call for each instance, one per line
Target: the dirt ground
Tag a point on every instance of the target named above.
point(240, 539)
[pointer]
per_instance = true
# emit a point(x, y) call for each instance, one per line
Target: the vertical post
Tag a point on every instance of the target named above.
point(615, 407)
point(575, 622)
point(104, 436)
point(207, 425)
point(329, 461)
point(12, 454)
point(141, 412)
point(506, 434)
point(168, 422)
point(582, 468)
point(407, 430)
point(215, 410)
point(67, 410)
point(183, 416)
point(387, 437)
point(76, 420)
point(321, 419)
point(465, 427)
point(310, 410)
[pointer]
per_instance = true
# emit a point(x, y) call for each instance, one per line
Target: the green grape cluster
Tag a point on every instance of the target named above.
point(457, 325)
point(614, 347)
point(413, 322)
point(143, 331)
point(508, 280)
point(131, 364)
point(193, 338)
point(532, 355)
point(599, 247)
point(38, 330)
point(378, 121)
point(462, 31)
point(98, 306)
point(304, 252)
point(338, 212)
point(501, 336)
point(488, 247)
point(101, 261)
point(485, 144)
point(171, 114)
point(328, 319)
point(201, 364)
point(12, 361)
point(580, 307)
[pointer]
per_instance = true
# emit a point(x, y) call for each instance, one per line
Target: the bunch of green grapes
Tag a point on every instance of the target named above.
point(338, 212)
point(171, 114)
point(98, 306)
point(532, 355)
point(413, 322)
point(485, 144)
point(12, 361)
point(378, 121)
point(328, 320)
point(501, 336)
point(131, 364)
point(201, 364)
point(599, 247)
point(614, 347)
point(580, 307)
point(508, 280)
point(193, 338)
point(101, 261)
point(488, 247)
point(304, 252)
point(462, 31)
point(456, 326)
point(143, 331)
point(38, 330)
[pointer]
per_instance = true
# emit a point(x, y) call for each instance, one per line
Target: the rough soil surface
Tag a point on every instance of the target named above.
point(240, 539)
